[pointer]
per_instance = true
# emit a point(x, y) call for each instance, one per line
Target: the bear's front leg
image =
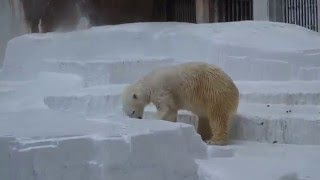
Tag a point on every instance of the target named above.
point(167, 114)
point(166, 108)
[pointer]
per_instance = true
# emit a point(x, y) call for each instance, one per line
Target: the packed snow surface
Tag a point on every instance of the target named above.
point(45, 144)
point(246, 161)
point(262, 46)
point(60, 115)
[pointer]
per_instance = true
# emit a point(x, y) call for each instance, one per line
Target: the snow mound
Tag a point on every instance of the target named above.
point(56, 145)
point(28, 54)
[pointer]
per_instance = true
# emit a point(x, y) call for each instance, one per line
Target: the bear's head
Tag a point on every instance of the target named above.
point(134, 99)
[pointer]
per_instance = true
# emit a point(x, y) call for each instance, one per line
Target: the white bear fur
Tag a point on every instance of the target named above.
point(202, 88)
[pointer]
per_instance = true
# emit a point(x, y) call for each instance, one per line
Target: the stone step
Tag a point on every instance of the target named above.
point(102, 72)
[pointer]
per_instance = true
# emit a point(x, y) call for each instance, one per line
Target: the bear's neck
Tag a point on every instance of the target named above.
point(146, 91)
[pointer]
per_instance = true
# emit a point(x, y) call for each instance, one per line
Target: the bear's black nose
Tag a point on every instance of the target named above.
point(139, 117)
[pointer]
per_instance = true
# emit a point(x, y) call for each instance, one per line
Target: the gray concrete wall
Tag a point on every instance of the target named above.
point(12, 23)
point(260, 10)
point(275, 10)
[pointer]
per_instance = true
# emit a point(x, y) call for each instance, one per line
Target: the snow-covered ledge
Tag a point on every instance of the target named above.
point(57, 145)
point(246, 42)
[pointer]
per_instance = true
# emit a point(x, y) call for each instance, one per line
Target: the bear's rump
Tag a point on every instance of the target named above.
point(208, 90)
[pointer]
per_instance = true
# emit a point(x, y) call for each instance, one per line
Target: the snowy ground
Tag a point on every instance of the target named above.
point(60, 115)
point(247, 160)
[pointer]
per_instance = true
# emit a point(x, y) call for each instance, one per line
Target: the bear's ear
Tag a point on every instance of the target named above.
point(134, 96)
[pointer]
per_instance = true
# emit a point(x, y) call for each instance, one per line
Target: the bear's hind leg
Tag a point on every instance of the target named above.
point(219, 123)
point(204, 128)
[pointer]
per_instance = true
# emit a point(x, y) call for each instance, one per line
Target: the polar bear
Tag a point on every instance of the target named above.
point(202, 88)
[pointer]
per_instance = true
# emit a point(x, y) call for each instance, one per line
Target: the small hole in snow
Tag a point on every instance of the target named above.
point(274, 142)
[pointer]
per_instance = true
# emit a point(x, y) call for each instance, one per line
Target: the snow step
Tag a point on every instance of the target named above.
point(100, 100)
point(294, 123)
point(102, 72)
point(309, 73)
point(279, 92)
point(274, 123)
point(287, 124)
point(94, 102)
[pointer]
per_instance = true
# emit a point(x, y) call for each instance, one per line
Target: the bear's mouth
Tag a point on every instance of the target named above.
point(132, 113)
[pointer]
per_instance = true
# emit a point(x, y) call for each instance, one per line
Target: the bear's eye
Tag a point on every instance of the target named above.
point(134, 96)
